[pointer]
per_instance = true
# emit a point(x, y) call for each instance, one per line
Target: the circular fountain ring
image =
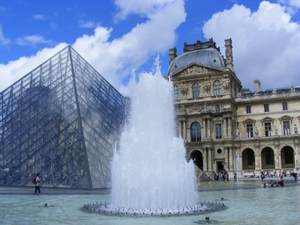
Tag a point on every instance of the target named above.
point(109, 210)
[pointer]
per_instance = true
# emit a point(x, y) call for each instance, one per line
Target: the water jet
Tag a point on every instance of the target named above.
point(150, 174)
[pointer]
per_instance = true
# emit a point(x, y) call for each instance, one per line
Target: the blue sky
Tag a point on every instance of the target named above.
point(60, 21)
point(27, 27)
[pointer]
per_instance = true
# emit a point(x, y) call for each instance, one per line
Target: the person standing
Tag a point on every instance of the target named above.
point(262, 175)
point(235, 176)
point(37, 182)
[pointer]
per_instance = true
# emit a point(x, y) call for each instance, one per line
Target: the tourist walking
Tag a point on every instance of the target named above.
point(37, 182)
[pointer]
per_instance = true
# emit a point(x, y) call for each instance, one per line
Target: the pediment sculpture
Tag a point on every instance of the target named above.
point(194, 70)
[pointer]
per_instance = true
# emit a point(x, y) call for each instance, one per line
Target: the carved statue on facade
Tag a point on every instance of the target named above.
point(256, 133)
point(207, 87)
point(184, 91)
point(226, 84)
point(237, 132)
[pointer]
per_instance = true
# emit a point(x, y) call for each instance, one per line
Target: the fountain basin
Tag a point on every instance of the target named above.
point(106, 209)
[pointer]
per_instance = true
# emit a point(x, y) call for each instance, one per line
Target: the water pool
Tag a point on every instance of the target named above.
point(246, 206)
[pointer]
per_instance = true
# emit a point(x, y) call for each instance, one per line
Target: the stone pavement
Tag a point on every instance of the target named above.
point(49, 191)
point(204, 186)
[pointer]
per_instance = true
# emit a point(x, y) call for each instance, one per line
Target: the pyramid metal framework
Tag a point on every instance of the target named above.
point(62, 120)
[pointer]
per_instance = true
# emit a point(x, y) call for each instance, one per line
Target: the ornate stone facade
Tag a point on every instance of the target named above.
point(225, 126)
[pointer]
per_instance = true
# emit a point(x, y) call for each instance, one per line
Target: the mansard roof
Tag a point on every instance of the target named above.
point(209, 57)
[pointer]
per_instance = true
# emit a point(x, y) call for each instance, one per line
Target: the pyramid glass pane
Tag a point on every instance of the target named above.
point(57, 121)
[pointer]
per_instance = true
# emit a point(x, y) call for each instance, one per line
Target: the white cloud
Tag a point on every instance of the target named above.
point(291, 6)
point(88, 24)
point(295, 3)
point(290, 3)
point(142, 8)
point(40, 17)
point(114, 58)
point(13, 70)
point(266, 43)
point(3, 40)
point(32, 40)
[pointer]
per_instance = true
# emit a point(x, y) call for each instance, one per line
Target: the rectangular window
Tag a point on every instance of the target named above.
point(286, 128)
point(284, 106)
point(268, 129)
point(248, 109)
point(266, 107)
point(250, 130)
point(218, 131)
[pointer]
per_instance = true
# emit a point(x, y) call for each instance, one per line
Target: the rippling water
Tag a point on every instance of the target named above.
point(277, 206)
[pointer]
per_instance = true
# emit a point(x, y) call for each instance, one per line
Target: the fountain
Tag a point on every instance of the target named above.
point(150, 174)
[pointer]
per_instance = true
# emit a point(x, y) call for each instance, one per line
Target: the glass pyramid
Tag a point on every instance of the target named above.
point(61, 120)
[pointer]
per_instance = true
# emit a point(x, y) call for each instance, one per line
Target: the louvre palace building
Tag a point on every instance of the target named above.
point(63, 120)
point(226, 126)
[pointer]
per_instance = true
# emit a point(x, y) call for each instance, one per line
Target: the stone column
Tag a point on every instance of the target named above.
point(204, 160)
point(204, 129)
point(297, 155)
point(229, 127)
point(233, 159)
point(209, 159)
point(184, 130)
point(180, 128)
point(230, 159)
point(188, 133)
point(227, 161)
point(258, 165)
point(208, 128)
point(277, 158)
point(240, 160)
point(213, 164)
point(225, 127)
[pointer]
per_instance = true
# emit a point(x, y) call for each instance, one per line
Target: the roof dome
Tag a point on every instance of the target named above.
point(209, 57)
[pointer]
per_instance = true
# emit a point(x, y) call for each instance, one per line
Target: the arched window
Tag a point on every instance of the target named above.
point(217, 88)
point(248, 159)
point(195, 132)
point(197, 158)
point(196, 90)
point(287, 157)
point(267, 158)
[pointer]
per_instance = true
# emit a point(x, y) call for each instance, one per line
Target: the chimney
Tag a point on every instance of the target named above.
point(172, 54)
point(257, 86)
point(228, 53)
